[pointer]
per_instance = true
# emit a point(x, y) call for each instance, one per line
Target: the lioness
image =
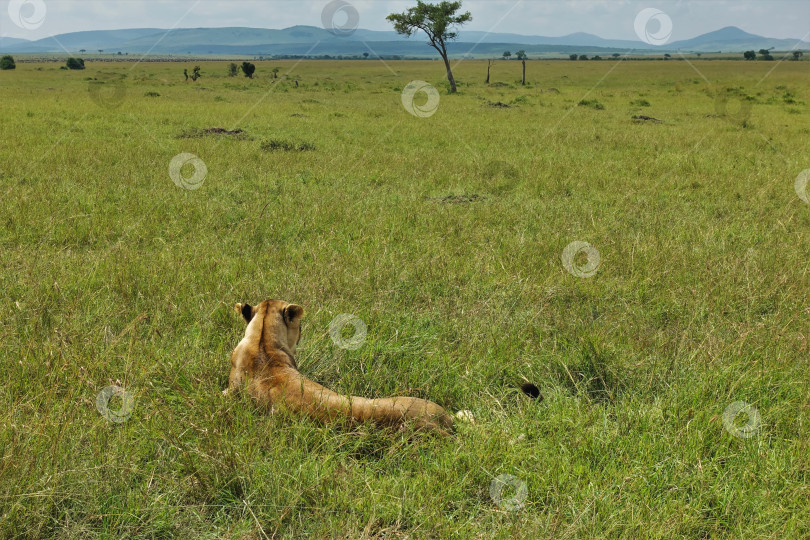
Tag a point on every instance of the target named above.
point(265, 360)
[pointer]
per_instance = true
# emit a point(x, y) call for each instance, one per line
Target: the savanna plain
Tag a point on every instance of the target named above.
point(444, 233)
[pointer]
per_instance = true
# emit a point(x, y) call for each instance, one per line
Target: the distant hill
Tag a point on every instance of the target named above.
point(7, 41)
point(732, 38)
point(311, 40)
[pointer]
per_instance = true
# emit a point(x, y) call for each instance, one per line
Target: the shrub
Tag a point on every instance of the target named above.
point(7, 62)
point(75, 63)
point(248, 69)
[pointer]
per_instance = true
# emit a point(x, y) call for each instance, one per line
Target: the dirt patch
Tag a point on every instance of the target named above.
point(196, 133)
point(457, 199)
point(223, 131)
point(640, 118)
point(287, 146)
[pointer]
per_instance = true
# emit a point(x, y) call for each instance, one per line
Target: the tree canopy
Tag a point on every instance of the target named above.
point(437, 21)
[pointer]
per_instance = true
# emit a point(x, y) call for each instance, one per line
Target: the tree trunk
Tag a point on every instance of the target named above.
point(449, 73)
point(524, 73)
point(489, 65)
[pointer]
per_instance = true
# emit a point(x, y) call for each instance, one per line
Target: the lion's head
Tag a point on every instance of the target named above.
point(276, 322)
point(272, 334)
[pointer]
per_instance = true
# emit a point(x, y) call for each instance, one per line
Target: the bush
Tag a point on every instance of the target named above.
point(233, 69)
point(592, 103)
point(248, 69)
point(7, 62)
point(75, 63)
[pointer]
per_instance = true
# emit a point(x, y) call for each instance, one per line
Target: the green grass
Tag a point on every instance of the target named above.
point(444, 235)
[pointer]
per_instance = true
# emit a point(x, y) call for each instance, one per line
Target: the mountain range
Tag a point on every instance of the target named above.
point(315, 41)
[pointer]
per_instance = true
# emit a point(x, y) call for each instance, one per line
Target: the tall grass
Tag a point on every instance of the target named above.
point(444, 235)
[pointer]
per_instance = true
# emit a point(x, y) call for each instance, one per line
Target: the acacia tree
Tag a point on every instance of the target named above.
point(437, 22)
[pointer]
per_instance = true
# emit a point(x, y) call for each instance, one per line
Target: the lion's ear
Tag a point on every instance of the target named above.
point(292, 314)
point(246, 310)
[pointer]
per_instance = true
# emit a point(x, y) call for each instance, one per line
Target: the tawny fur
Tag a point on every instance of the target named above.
point(265, 361)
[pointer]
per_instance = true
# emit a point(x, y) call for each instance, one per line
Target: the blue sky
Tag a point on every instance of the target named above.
point(606, 18)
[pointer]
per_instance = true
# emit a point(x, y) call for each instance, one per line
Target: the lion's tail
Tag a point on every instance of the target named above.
point(527, 388)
